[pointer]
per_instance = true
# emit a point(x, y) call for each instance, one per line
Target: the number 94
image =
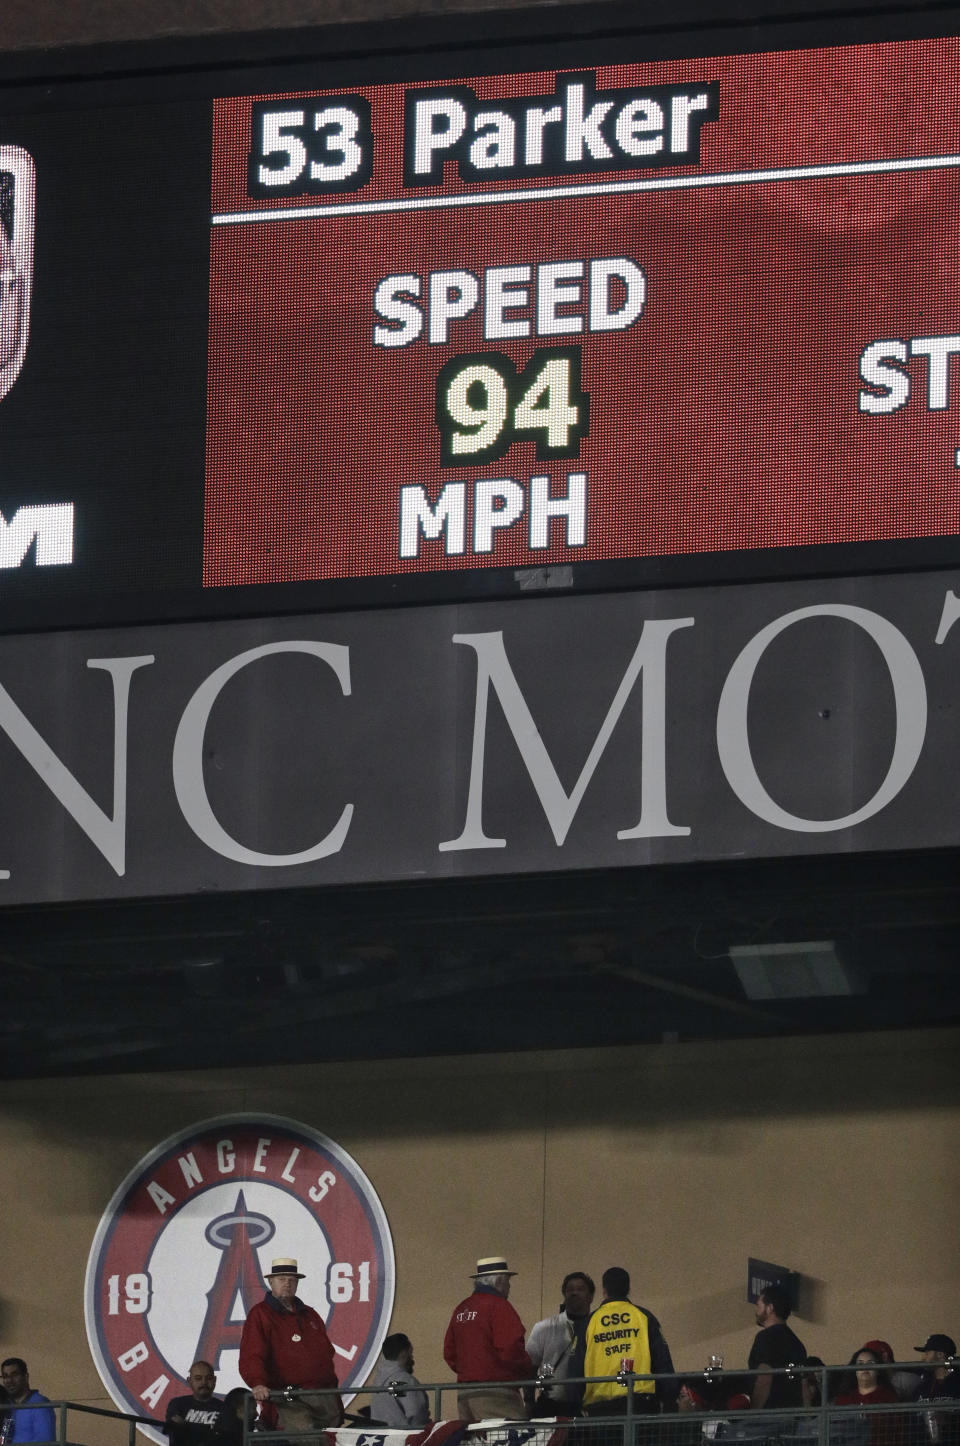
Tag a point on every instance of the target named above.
point(484, 405)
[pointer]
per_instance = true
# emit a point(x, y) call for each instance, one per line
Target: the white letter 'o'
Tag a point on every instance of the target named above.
point(910, 698)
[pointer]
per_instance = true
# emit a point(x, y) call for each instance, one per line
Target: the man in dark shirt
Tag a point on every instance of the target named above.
point(190, 1419)
point(940, 1383)
point(775, 1345)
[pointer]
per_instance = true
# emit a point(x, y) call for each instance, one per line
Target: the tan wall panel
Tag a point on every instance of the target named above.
point(457, 1160)
point(840, 1163)
point(835, 1156)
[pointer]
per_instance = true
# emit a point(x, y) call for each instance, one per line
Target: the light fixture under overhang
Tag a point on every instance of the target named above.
point(809, 969)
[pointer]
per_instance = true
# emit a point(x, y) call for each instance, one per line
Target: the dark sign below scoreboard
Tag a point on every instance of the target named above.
point(498, 738)
point(385, 328)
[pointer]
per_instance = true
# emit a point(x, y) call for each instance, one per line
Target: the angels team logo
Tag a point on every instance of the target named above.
point(17, 188)
point(183, 1248)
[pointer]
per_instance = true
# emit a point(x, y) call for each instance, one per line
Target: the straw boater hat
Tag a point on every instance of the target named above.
point(285, 1266)
point(493, 1265)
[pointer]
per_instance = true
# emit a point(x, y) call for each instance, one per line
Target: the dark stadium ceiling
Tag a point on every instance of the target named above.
point(524, 963)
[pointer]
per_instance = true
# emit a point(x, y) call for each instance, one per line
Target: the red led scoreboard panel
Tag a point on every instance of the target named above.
point(423, 317)
point(554, 316)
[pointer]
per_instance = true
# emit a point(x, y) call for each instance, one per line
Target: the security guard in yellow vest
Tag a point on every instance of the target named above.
point(620, 1331)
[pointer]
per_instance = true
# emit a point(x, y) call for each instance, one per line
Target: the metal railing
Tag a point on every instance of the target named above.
point(646, 1419)
point(804, 1422)
point(60, 1411)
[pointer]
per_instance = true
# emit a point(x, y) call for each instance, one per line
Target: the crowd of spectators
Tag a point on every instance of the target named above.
point(623, 1345)
point(619, 1344)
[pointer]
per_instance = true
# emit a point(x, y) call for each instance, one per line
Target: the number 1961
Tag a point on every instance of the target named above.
point(484, 405)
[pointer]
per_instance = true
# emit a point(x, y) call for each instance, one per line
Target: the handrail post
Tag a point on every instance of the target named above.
point(131, 1433)
point(438, 1403)
point(823, 1425)
point(62, 1423)
point(628, 1423)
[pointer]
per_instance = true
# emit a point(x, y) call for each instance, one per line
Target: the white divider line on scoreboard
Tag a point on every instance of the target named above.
point(601, 188)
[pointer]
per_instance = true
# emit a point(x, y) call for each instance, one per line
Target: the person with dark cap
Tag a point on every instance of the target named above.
point(941, 1382)
point(285, 1343)
point(484, 1343)
point(238, 1408)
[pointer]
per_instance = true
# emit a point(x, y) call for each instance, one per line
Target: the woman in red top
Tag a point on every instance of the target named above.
point(886, 1429)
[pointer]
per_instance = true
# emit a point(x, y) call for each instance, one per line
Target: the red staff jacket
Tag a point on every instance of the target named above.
point(484, 1340)
point(282, 1347)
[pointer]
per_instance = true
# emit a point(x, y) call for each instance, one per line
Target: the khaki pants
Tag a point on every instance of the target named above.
point(492, 1402)
point(310, 1412)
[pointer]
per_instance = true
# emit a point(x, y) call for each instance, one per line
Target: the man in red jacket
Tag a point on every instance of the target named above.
point(484, 1342)
point(285, 1343)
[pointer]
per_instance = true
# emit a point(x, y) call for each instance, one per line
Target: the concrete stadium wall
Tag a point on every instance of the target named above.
point(836, 1156)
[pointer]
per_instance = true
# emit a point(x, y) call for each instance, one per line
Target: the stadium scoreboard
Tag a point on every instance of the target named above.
point(427, 324)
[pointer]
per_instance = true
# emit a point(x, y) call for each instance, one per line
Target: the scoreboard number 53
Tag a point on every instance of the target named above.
point(484, 405)
point(323, 145)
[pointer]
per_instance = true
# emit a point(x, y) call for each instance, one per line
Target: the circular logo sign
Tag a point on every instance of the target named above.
point(183, 1249)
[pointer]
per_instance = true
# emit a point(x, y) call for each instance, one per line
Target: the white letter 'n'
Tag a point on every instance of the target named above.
point(107, 831)
point(559, 806)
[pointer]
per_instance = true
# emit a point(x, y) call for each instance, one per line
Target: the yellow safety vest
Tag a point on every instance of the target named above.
point(617, 1330)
